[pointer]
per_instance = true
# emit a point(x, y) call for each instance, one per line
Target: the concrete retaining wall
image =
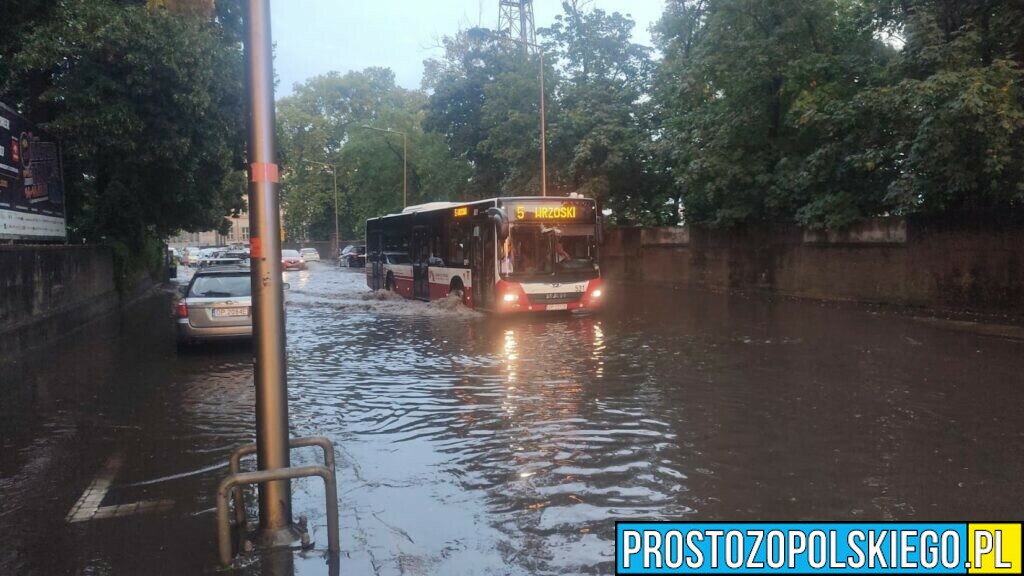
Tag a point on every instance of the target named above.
point(49, 291)
point(888, 261)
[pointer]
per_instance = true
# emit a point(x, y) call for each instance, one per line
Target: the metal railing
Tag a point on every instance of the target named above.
point(232, 487)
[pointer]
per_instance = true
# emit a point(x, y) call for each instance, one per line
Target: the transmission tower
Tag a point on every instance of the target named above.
point(515, 20)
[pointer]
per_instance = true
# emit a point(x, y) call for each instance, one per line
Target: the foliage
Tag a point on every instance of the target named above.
point(733, 74)
point(826, 112)
point(486, 102)
point(323, 123)
point(132, 262)
point(189, 8)
point(607, 130)
point(820, 112)
point(602, 140)
point(960, 97)
point(149, 108)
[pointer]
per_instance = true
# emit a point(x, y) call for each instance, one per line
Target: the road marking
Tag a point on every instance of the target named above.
point(89, 506)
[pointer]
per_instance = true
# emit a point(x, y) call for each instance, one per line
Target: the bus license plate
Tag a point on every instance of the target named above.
point(558, 306)
point(230, 312)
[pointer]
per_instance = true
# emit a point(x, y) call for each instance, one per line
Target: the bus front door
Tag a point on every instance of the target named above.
point(421, 281)
point(420, 263)
point(483, 265)
point(374, 249)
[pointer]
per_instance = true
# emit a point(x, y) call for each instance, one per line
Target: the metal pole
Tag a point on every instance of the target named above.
point(275, 497)
point(543, 132)
point(543, 114)
point(337, 232)
point(405, 170)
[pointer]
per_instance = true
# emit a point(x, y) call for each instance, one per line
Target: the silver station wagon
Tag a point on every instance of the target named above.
point(216, 305)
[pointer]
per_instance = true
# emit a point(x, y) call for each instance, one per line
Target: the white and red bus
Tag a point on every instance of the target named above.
point(500, 255)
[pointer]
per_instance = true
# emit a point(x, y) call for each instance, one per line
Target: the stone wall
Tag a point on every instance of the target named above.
point(47, 292)
point(890, 261)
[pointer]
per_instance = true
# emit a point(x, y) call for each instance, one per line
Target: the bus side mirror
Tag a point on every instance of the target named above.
point(497, 215)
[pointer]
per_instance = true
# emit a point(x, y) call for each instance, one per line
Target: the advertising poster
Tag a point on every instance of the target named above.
point(31, 182)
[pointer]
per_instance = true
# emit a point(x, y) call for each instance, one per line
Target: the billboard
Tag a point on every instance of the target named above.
point(31, 182)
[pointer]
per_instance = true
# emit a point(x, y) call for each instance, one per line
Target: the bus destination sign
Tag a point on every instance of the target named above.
point(551, 212)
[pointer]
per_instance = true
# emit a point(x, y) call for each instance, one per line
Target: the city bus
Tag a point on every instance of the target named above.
point(503, 255)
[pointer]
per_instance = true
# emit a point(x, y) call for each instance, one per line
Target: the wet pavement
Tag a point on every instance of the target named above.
point(470, 444)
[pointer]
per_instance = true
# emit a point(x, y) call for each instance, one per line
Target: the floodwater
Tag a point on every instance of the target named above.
point(470, 444)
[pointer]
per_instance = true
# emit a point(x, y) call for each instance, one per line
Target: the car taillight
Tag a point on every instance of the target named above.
point(182, 310)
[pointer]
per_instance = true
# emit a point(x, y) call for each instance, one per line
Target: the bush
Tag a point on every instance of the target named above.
point(130, 264)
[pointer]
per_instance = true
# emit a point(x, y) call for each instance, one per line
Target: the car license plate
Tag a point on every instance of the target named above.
point(558, 306)
point(230, 312)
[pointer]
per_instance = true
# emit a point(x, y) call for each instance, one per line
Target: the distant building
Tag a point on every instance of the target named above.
point(238, 234)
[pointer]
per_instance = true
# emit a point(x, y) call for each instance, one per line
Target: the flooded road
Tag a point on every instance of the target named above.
point(471, 444)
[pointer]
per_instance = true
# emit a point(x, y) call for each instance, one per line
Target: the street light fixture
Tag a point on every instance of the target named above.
point(405, 160)
point(337, 233)
point(543, 116)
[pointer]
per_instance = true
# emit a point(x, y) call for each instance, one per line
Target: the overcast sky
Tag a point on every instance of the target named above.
point(317, 36)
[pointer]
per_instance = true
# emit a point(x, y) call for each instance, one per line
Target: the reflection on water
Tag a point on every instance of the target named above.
point(481, 443)
point(471, 444)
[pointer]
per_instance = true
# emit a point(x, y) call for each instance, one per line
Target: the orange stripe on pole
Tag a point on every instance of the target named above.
point(263, 172)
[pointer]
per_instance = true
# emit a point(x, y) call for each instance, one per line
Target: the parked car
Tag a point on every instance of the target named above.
point(292, 260)
point(190, 256)
point(310, 255)
point(353, 257)
point(204, 255)
point(218, 261)
point(242, 255)
point(215, 305)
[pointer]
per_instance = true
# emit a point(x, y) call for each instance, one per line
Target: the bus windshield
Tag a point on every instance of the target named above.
point(549, 250)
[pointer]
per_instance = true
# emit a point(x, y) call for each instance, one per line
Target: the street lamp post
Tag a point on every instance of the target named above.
point(272, 439)
point(337, 232)
point(405, 160)
point(543, 116)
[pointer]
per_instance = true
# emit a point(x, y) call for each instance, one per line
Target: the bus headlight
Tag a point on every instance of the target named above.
point(596, 293)
point(511, 298)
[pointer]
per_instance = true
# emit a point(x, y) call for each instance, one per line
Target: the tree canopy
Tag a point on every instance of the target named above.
point(825, 112)
point(817, 112)
point(149, 106)
point(333, 122)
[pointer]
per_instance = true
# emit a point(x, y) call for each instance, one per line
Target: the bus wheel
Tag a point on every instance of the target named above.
point(457, 289)
point(389, 283)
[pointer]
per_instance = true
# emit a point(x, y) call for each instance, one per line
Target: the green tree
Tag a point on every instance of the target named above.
point(608, 129)
point(485, 100)
point(958, 97)
point(732, 74)
point(323, 122)
point(827, 112)
point(150, 111)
